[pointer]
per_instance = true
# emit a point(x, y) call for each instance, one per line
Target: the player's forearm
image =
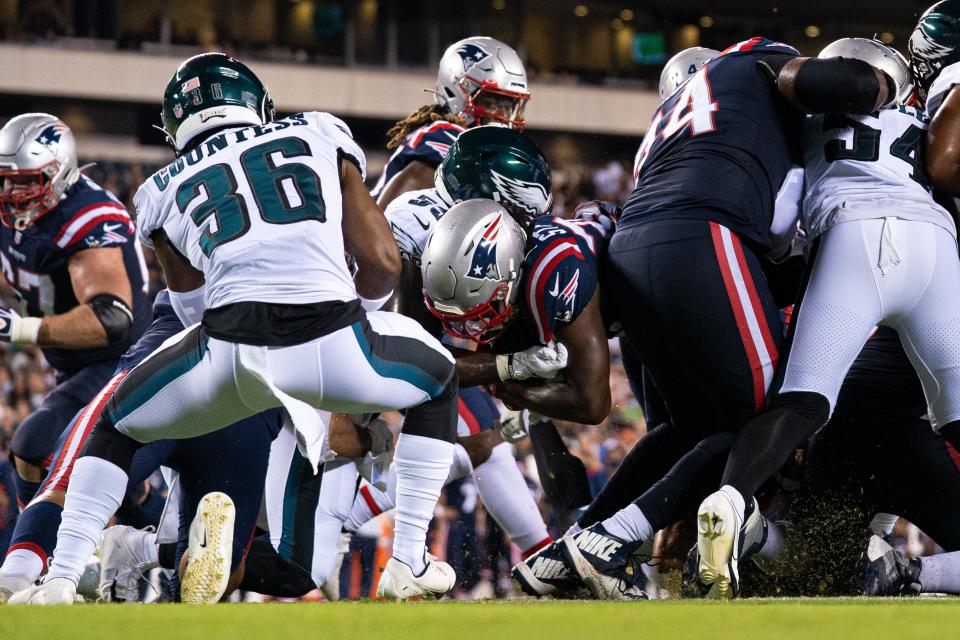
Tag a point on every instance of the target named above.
point(477, 369)
point(561, 400)
point(78, 328)
point(835, 85)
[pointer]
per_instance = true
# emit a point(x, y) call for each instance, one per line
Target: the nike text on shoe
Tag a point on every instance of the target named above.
point(397, 581)
point(887, 572)
point(609, 566)
point(723, 540)
point(50, 592)
point(545, 573)
point(210, 550)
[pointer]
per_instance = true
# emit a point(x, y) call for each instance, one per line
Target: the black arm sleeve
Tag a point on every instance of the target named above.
point(839, 86)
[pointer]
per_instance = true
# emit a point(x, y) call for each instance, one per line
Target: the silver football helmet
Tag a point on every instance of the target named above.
point(471, 269)
point(682, 66)
point(38, 164)
point(876, 54)
point(483, 80)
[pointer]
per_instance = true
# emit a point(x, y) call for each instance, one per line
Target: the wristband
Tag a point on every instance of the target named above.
point(374, 304)
point(505, 367)
point(26, 331)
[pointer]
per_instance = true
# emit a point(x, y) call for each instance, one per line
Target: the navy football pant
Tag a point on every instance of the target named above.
point(696, 310)
point(36, 438)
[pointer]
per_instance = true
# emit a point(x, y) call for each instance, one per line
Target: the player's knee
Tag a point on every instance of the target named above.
point(437, 417)
point(481, 447)
point(109, 444)
point(809, 405)
point(36, 437)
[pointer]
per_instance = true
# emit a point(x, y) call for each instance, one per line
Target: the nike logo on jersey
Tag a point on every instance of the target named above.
point(598, 545)
point(424, 225)
point(556, 287)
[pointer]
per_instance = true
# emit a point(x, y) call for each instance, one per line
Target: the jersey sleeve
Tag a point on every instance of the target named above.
point(562, 278)
point(412, 217)
point(340, 132)
point(430, 143)
point(99, 220)
point(146, 211)
point(940, 89)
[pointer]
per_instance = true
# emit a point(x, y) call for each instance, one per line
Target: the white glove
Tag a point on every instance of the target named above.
point(513, 426)
point(541, 362)
point(17, 329)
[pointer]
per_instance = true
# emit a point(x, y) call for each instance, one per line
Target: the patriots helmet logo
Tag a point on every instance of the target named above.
point(51, 134)
point(471, 54)
point(483, 266)
point(532, 197)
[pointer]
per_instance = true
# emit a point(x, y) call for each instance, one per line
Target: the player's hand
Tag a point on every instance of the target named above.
point(16, 329)
point(597, 211)
point(513, 426)
point(543, 361)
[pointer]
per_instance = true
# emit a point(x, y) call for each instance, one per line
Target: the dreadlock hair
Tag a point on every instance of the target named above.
point(424, 115)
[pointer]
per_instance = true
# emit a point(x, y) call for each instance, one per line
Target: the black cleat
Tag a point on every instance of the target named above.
point(545, 574)
point(887, 572)
point(609, 566)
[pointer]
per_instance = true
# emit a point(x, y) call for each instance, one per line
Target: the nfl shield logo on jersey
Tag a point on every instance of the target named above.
point(484, 263)
point(471, 54)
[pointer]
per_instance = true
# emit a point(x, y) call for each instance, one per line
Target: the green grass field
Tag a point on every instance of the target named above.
point(936, 619)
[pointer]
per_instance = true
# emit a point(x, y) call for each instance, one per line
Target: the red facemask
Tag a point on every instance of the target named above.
point(481, 324)
point(23, 201)
point(514, 115)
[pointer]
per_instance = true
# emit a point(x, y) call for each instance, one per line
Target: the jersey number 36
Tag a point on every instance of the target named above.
point(284, 194)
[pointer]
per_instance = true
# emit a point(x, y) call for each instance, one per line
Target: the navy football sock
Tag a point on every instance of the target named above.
point(36, 529)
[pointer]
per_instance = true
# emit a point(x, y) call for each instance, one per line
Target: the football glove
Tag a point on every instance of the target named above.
point(513, 426)
point(17, 329)
point(606, 213)
point(536, 362)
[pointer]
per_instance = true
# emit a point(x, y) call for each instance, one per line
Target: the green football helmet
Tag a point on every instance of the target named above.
point(209, 91)
point(501, 164)
point(935, 43)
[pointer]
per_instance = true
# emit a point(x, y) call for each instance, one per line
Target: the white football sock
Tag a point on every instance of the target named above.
point(95, 492)
point(505, 495)
point(738, 502)
point(941, 573)
point(422, 465)
point(774, 546)
point(630, 524)
point(22, 563)
point(461, 466)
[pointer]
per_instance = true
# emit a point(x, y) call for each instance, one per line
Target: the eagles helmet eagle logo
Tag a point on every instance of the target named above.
point(471, 54)
point(530, 196)
point(922, 45)
point(483, 266)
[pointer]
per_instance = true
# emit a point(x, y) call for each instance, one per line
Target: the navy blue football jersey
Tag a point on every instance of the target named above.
point(428, 144)
point(720, 146)
point(560, 275)
point(35, 263)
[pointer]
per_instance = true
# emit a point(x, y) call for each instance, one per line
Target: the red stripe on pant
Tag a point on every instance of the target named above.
point(753, 356)
point(755, 303)
point(59, 477)
point(368, 498)
point(473, 425)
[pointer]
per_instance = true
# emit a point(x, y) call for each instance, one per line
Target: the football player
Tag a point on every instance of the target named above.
point(263, 211)
point(68, 249)
point(479, 81)
point(886, 254)
point(501, 164)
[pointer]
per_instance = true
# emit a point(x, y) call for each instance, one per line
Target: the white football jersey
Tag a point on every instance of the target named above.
point(945, 81)
point(412, 217)
point(259, 210)
point(863, 167)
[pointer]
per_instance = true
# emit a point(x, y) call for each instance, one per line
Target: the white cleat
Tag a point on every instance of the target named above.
point(51, 592)
point(12, 584)
point(123, 561)
point(397, 581)
point(331, 586)
point(721, 537)
point(210, 550)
